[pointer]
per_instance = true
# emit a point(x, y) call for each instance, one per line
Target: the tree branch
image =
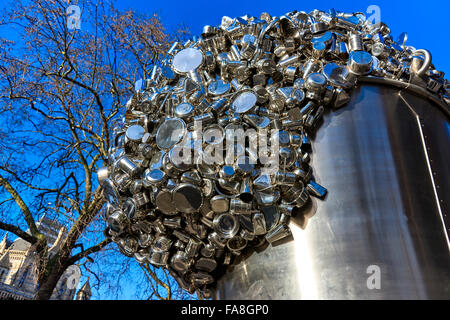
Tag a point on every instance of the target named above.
point(23, 207)
point(18, 232)
point(88, 251)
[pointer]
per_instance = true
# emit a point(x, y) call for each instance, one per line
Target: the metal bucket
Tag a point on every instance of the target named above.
point(382, 231)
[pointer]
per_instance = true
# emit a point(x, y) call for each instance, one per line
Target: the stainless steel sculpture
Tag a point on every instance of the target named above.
point(384, 158)
point(211, 169)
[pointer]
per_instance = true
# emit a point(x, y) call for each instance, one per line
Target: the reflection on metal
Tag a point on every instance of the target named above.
point(408, 87)
point(427, 158)
point(250, 74)
point(305, 268)
point(384, 158)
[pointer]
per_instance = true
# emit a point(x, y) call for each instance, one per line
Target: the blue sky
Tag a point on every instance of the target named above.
point(425, 21)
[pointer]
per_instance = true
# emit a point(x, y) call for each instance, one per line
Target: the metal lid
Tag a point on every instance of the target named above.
point(281, 137)
point(260, 122)
point(318, 49)
point(135, 132)
point(205, 165)
point(226, 225)
point(180, 262)
point(130, 245)
point(187, 60)
point(184, 110)
point(219, 203)
point(360, 62)
point(164, 202)
point(244, 102)
point(141, 256)
point(161, 244)
point(159, 258)
point(236, 243)
point(227, 172)
point(170, 132)
point(187, 198)
point(378, 49)
point(267, 198)
point(219, 87)
point(154, 177)
point(157, 160)
point(207, 250)
point(180, 157)
point(315, 81)
point(116, 221)
point(326, 37)
point(337, 75)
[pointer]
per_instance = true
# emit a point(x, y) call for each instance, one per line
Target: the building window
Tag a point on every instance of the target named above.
point(5, 275)
point(15, 277)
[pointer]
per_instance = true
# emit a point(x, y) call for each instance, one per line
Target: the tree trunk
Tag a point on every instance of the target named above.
point(47, 286)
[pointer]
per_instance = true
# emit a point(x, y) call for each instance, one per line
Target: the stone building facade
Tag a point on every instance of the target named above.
point(18, 267)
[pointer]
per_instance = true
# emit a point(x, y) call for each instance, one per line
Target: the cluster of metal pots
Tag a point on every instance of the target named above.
point(247, 82)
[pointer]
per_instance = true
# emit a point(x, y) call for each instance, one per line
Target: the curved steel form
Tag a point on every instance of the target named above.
point(383, 230)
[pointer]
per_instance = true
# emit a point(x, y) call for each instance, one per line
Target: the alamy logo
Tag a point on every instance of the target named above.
point(374, 280)
point(375, 17)
point(73, 17)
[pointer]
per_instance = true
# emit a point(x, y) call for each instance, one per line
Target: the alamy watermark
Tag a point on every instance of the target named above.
point(73, 17)
point(375, 17)
point(374, 280)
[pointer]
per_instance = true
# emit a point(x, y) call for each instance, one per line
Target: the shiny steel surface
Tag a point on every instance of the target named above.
point(283, 73)
point(384, 159)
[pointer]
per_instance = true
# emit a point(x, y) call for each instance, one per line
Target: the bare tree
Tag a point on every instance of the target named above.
point(61, 88)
